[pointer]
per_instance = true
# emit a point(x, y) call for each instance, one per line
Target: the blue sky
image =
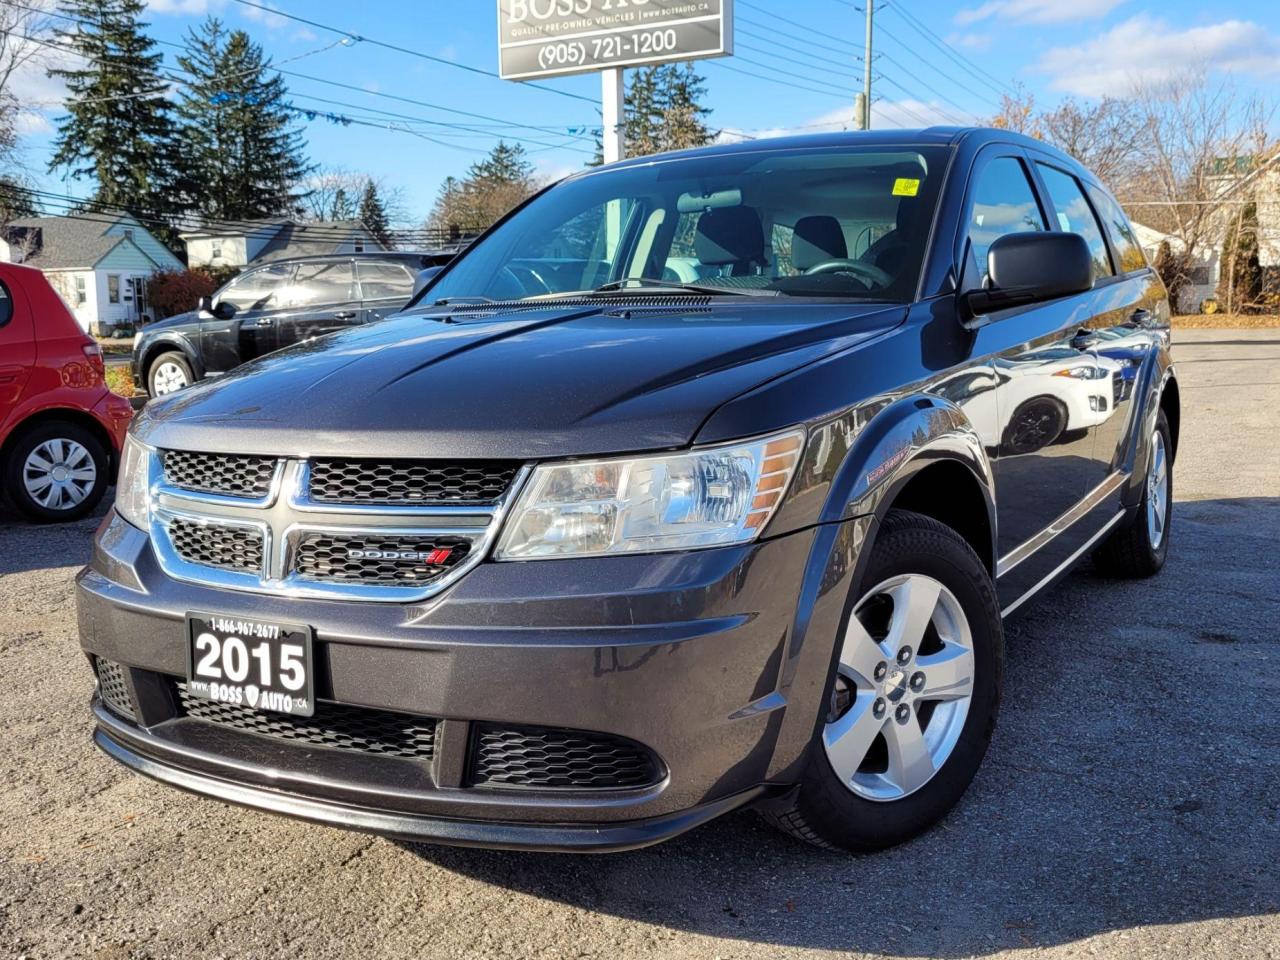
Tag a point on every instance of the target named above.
point(938, 62)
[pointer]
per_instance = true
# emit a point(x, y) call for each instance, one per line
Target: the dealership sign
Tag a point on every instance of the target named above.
point(543, 38)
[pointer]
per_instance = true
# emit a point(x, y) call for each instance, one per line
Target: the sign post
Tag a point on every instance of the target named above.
point(550, 38)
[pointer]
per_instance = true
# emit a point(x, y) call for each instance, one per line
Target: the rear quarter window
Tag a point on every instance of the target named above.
point(1123, 238)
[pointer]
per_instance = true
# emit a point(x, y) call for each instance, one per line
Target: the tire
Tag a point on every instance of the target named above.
point(868, 811)
point(169, 373)
point(46, 496)
point(1035, 425)
point(1140, 547)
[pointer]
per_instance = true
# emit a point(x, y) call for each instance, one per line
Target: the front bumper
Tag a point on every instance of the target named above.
point(699, 657)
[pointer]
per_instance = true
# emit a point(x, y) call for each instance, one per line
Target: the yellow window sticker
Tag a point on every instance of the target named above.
point(906, 187)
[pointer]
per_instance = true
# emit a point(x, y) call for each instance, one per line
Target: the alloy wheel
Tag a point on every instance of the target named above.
point(59, 474)
point(168, 378)
point(1157, 491)
point(904, 684)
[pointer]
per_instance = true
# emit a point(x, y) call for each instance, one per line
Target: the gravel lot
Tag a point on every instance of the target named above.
point(1130, 806)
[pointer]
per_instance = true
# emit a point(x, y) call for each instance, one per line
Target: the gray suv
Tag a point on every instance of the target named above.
point(701, 481)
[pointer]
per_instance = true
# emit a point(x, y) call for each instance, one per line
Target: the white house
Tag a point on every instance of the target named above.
point(240, 243)
point(99, 262)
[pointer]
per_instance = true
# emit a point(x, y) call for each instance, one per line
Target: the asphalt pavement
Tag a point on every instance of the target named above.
point(1130, 805)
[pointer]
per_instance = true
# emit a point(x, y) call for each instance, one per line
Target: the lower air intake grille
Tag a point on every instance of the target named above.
point(212, 545)
point(112, 687)
point(381, 560)
point(541, 757)
point(228, 476)
point(340, 726)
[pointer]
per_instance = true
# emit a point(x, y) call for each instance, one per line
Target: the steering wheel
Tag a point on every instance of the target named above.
point(858, 267)
point(521, 275)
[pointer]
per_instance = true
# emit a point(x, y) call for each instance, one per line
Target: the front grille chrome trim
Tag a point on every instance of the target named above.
point(286, 515)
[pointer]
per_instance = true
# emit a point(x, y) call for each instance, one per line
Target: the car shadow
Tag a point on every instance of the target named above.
point(1131, 782)
point(28, 546)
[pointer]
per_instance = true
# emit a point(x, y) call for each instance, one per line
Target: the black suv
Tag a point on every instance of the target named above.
point(703, 480)
point(272, 306)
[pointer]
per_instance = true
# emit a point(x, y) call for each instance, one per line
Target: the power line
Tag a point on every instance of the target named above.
point(405, 50)
point(960, 59)
point(345, 86)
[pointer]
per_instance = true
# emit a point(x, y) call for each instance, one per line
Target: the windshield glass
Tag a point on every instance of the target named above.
point(829, 222)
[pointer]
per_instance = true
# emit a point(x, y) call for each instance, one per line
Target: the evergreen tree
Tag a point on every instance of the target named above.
point(118, 127)
point(373, 214)
point(341, 205)
point(242, 157)
point(491, 188)
point(663, 110)
point(16, 200)
point(1240, 273)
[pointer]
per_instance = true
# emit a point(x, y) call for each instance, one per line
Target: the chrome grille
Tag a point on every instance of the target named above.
point(542, 757)
point(212, 545)
point(409, 482)
point(336, 725)
point(227, 476)
point(374, 559)
point(380, 551)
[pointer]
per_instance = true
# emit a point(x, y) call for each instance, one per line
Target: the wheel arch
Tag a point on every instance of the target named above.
point(168, 344)
point(1171, 404)
point(55, 415)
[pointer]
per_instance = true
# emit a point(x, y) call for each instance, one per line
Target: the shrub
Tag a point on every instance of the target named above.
point(177, 291)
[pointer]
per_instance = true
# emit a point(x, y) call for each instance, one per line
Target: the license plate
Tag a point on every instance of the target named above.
point(252, 663)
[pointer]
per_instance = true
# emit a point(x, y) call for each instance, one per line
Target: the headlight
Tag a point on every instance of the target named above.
point(697, 498)
point(133, 484)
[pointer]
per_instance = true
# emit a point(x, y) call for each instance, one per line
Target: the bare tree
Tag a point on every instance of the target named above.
point(1017, 113)
point(1107, 136)
point(333, 193)
point(1203, 141)
point(24, 30)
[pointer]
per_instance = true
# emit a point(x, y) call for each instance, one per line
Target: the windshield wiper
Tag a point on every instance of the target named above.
point(448, 301)
point(681, 285)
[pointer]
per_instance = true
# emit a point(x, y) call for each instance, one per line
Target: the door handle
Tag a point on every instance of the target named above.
point(1084, 339)
point(1139, 318)
point(345, 314)
point(265, 321)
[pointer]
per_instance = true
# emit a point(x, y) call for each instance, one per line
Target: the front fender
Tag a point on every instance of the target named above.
point(175, 340)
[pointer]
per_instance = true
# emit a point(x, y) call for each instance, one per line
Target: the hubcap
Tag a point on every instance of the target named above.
point(902, 722)
point(1157, 492)
point(59, 474)
point(167, 378)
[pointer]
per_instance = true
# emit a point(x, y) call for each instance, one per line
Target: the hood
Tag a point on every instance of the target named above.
point(523, 383)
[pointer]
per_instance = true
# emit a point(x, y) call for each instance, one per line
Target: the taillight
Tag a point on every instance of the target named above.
point(93, 353)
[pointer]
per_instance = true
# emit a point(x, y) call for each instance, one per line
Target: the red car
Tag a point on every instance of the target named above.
point(61, 429)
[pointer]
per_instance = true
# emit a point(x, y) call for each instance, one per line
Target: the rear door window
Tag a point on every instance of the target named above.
point(1074, 215)
point(6, 305)
point(1002, 202)
point(382, 280)
point(320, 284)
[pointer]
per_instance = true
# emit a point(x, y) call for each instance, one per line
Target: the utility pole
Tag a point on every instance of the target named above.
point(866, 69)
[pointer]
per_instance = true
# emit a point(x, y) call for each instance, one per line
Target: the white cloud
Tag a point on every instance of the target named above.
point(1146, 50)
point(971, 41)
point(268, 18)
point(185, 8)
point(885, 114)
point(1038, 11)
point(546, 170)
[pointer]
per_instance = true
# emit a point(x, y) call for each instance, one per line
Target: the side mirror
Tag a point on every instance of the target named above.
point(224, 310)
point(1026, 268)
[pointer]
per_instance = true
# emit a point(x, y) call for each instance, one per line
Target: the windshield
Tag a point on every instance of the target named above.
point(825, 222)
